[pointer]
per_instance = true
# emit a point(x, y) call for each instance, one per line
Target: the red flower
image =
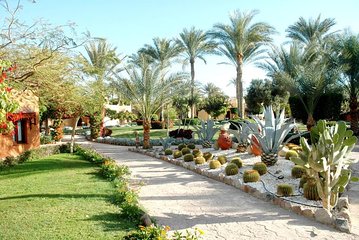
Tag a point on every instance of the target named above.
point(4, 75)
point(3, 125)
point(8, 89)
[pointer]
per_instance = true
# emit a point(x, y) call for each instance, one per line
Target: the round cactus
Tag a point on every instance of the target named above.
point(191, 146)
point(284, 189)
point(222, 159)
point(188, 157)
point(298, 171)
point(261, 167)
point(251, 176)
point(310, 190)
point(181, 146)
point(208, 156)
point(196, 152)
point(302, 181)
point(297, 149)
point(237, 161)
point(199, 160)
point(291, 145)
point(213, 164)
point(177, 154)
point(168, 151)
point(231, 169)
point(185, 150)
point(291, 153)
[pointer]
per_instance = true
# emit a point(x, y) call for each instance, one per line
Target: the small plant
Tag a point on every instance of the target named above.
point(10, 161)
point(185, 151)
point(188, 157)
point(284, 190)
point(214, 164)
point(251, 176)
point(191, 146)
point(231, 169)
point(291, 153)
point(199, 160)
point(310, 190)
point(196, 152)
point(222, 159)
point(177, 154)
point(208, 155)
point(237, 161)
point(181, 146)
point(168, 151)
point(298, 171)
point(242, 135)
point(261, 167)
point(166, 142)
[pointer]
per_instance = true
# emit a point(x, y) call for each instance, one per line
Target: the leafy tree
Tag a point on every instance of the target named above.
point(215, 105)
point(259, 94)
point(194, 44)
point(241, 42)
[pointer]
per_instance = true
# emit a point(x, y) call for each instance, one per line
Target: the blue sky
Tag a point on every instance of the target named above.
point(130, 24)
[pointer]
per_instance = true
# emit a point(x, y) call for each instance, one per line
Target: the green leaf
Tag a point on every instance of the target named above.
point(298, 161)
point(354, 179)
point(350, 141)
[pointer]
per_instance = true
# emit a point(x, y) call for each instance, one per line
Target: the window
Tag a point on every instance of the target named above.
point(20, 131)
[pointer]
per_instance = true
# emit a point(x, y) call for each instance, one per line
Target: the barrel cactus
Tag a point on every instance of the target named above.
point(251, 176)
point(191, 146)
point(208, 155)
point(177, 154)
point(310, 190)
point(168, 151)
point(231, 169)
point(222, 159)
point(185, 151)
point(303, 180)
point(199, 160)
point(261, 167)
point(214, 164)
point(188, 157)
point(298, 171)
point(284, 189)
point(181, 146)
point(291, 153)
point(196, 152)
point(237, 161)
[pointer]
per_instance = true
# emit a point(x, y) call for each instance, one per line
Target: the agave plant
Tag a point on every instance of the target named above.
point(206, 131)
point(271, 133)
point(242, 135)
point(166, 142)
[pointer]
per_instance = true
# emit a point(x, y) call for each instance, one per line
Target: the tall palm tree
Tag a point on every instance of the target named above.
point(241, 42)
point(148, 89)
point(210, 89)
point(195, 43)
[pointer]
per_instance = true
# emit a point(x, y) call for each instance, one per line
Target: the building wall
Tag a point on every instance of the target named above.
point(28, 104)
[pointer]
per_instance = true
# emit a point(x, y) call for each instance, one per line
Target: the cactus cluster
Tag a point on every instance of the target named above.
point(237, 161)
point(168, 151)
point(177, 154)
point(214, 164)
point(302, 181)
point(199, 160)
point(188, 157)
point(284, 190)
point(310, 190)
point(298, 171)
point(261, 167)
point(185, 150)
point(208, 155)
point(231, 169)
point(222, 159)
point(251, 176)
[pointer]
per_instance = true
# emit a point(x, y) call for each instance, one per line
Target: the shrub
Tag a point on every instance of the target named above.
point(10, 161)
point(214, 164)
point(222, 159)
point(45, 139)
point(298, 171)
point(261, 167)
point(190, 121)
point(237, 161)
point(199, 160)
point(251, 176)
point(188, 157)
point(110, 170)
point(168, 151)
point(284, 189)
point(185, 151)
point(231, 169)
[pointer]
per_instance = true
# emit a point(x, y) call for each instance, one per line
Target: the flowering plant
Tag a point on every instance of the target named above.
point(7, 105)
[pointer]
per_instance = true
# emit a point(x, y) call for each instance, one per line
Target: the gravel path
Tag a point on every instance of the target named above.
point(182, 199)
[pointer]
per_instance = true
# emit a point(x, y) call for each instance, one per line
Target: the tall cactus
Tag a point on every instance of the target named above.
point(327, 160)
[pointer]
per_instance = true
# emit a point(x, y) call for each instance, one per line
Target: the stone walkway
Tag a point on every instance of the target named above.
point(183, 200)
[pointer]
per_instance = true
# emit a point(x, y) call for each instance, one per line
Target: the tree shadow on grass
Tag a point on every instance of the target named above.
point(48, 195)
point(112, 222)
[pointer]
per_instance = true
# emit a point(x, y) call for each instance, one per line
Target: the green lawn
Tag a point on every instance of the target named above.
point(58, 197)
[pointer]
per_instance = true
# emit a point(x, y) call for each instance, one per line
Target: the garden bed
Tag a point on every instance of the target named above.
point(266, 188)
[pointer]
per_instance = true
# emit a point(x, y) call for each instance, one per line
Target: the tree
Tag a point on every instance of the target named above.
point(210, 89)
point(259, 95)
point(195, 44)
point(148, 89)
point(241, 42)
point(215, 105)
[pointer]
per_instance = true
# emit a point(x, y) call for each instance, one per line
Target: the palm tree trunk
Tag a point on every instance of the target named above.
point(192, 87)
point(239, 86)
point(353, 104)
point(146, 133)
point(310, 121)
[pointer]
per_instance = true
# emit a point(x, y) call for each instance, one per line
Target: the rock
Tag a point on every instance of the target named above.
point(324, 216)
point(344, 213)
point(308, 213)
point(146, 220)
point(343, 202)
point(297, 209)
point(343, 225)
point(278, 171)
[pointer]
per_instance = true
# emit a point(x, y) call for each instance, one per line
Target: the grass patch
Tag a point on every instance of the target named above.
point(58, 197)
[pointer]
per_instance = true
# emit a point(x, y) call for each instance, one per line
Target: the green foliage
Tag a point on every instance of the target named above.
point(298, 171)
point(208, 155)
point(284, 190)
point(222, 159)
point(206, 130)
point(214, 164)
point(111, 170)
point(168, 151)
point(191, 121)
point(260, 167)
point(251, 176)
point(259, 94)
point(185, 151)
point(215, 105)
point(199, 160)
point(166, 142)
point(310, 190)
point(327, 160)
point(231, 169)
point(177, 154)
point(241, 134)
point(291, 153)
point(237, 161)
point(45, 139)
point(188, 157)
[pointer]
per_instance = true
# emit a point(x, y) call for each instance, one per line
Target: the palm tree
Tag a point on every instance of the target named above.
point(241, 42)
point(148, 89)
point(194, 44)
point(210, 89)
